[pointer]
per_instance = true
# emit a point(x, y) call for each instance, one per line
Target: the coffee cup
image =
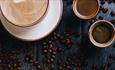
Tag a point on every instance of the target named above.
point(24, 13)
point(102, 33)
point(86, 9)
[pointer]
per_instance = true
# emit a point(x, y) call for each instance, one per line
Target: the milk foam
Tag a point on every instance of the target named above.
point(24, 12)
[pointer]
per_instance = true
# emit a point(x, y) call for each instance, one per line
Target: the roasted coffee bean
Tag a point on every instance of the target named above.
point(104, 10)
point(48, 61)
point(38, 66)
point(51, 59)
point(112, 13)
point(53, 56)
point(54, 52)
point(110, 56)
point(60, 68)
point(50, 50)
point(102, 2)
point(92, 20)
point(50, 45)
point(101, 8)
point(100, 17)
point(45, 51)
point(112, 21)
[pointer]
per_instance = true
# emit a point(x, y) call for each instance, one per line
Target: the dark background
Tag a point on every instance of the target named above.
point(82, 53)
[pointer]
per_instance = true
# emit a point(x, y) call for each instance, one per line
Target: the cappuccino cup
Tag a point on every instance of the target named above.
point(23, 13)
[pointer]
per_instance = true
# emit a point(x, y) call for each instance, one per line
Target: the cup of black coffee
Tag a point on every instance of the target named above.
point(102, 33)
point(86, 9)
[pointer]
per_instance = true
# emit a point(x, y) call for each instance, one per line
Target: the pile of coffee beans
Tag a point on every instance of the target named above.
point(9, 60)
point(29, 59)
point(50, 52)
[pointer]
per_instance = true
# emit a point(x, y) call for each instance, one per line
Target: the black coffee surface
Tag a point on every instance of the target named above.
point(87, 7)
point(102, 33)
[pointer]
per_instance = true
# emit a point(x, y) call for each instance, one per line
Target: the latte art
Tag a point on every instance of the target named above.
point(24, 12)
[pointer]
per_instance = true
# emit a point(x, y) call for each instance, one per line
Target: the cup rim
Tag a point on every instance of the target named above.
point(101, 45)
point(34, 23)
point(83, 16)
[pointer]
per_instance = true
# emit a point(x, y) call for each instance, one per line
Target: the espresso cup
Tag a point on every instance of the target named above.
point(102, 33)
point(86, 9)
point(24, 13)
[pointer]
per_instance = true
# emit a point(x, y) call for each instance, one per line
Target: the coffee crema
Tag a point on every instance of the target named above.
point(87, 7)
point(24, 12)
point(102, 33)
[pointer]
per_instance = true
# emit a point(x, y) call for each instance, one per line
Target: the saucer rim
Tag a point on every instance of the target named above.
point(31, 40)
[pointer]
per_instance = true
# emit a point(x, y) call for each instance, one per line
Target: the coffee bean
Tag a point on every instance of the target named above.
point(112, 21)
point(38, 66)
point(50, 45)
point(112, 13)
point(45, 51)
point(35, 63)
point(104, 10)
point(61, 38)
point(54, 38)
point(27, 59)
point(93, 20)
point(31, 61)
point(10, 66)
point(45, 68)
point(50, 50)
point(48, 61)
point(53, 56)
point(44, 43)
point(100, 17)
point(60, 67)
point(101, 8)
point(51, 59)
point(102, 2)
point(110, 56)
point(55, 33)
point(54, 52)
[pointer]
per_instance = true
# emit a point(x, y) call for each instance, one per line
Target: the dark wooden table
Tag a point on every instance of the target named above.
point(76, 54)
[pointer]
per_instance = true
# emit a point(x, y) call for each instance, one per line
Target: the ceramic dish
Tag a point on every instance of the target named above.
point(40, 30)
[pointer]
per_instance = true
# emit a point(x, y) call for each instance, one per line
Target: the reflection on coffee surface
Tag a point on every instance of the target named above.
point(87, 7)
point(102, 33)
point(24, 12)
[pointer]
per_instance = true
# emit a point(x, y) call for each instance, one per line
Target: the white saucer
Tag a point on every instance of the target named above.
point(40, 30)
